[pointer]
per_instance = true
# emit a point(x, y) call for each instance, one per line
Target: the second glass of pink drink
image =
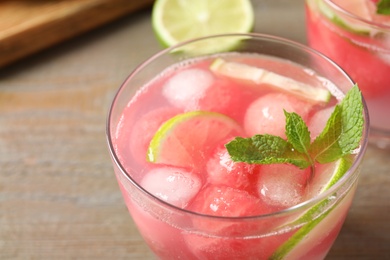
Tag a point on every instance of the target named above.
point(354, 35)
point(167, 132)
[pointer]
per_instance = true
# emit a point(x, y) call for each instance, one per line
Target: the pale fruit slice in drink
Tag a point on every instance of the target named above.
point(187, 139)
point(176, 21)
point(262, 76)
point(317, 227)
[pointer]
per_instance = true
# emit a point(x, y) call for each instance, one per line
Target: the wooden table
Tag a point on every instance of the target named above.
point(58, 195)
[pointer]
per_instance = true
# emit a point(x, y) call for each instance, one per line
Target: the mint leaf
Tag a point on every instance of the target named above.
point(383, 7)
point(265, 149)
point(326, 148)
point(343, 130)
point(297, 132)
point(340, 137)
point(352, 120)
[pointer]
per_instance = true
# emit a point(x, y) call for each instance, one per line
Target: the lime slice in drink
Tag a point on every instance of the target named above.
point(328, 174)
point(187, 139)
point(175, 21)
point(261, 76)
point(318, 225)
point(355, 7)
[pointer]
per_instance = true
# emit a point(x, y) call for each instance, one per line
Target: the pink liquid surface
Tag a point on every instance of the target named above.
point(212, 184)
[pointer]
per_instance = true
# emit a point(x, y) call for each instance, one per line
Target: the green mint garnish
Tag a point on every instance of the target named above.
point(265, 149)
point(340, 137)
point(383, 7)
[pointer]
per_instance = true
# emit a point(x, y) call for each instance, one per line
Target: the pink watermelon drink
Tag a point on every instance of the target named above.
point(193, 141)
point(356, 35)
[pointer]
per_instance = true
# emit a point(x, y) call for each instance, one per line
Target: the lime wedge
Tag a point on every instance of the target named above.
point(261, 76)
point(185, 139)
point(175, 21)
point(318, 225)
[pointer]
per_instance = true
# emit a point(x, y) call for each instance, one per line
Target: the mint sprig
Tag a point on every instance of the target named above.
point(265, 149)
point(383, 7)
point(340, 137)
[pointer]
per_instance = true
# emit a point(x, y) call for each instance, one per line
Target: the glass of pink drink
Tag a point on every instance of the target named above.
point(357, 38)
point(167, 128)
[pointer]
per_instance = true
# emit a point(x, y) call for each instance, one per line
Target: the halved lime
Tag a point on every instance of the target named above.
point(185, 139)
point(318, 224)
point(261, 76)
point(176, 21)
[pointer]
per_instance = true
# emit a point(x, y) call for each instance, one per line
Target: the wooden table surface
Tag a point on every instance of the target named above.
point(29, 26)
point(58, 195)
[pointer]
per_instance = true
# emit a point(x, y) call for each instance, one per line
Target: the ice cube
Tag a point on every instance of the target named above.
point(282, 185)
point(266, 114)
point(176, 186)
point(187, 87)
point(318, 121)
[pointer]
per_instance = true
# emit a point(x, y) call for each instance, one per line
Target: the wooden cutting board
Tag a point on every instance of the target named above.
point(27, 26)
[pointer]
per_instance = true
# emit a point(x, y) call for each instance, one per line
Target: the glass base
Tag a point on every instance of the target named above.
point(379, 138)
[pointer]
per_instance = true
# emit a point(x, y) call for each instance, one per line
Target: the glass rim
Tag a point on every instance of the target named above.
point(343, 11)
point(258, 36)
